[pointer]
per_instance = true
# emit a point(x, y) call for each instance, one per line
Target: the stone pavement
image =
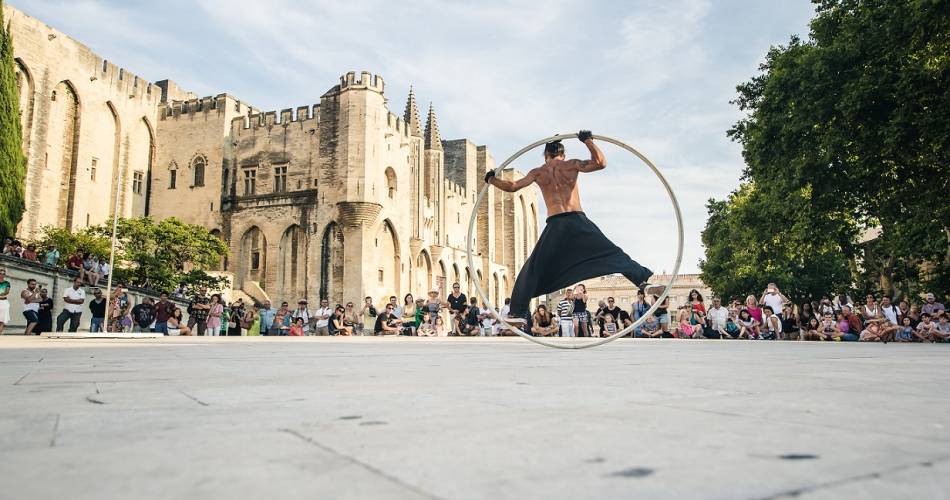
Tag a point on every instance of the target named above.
point(328, 418)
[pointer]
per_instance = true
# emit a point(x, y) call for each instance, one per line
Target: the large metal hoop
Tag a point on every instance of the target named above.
point(621, 333)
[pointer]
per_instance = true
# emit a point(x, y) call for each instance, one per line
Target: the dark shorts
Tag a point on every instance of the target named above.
point(31, 316)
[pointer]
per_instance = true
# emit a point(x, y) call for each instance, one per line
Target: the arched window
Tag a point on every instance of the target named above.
point(172, 175)
point(198, 164)
point(390, 182)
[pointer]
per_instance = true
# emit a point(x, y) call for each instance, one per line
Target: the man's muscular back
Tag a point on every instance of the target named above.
point(558, 182)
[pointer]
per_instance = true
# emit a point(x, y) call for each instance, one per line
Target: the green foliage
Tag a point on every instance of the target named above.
point(12, 159)
point(198, 279)
point(157, 254)
point(846, 132)
point(68, 243)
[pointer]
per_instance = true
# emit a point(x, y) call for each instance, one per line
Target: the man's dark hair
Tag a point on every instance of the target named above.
point(554, 149)
point(31, 280)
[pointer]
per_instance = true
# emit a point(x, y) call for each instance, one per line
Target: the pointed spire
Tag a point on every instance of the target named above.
point(411, 116)
point(432, 139)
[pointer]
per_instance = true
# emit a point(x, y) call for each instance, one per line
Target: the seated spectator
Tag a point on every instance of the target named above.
point(716, 317)
point(771, 324)
point(7, 244)
point(731, 329)
point(351, 318)
point(829, 328)
point(914, 315)
point(90, 266)
point(890, 311)
point(684, 329)
point(905, 333)
point(748, 326)
point(296, 329)
point(426, 329)
point(610, 324)
point(843, 325)
point(650, 328)
point(336, 326)
point(870, 310)
point(386, 322)
point(282, 321)
point(878, 330)
point(943, 327)
point(790, 323)
point(752, 306)
point(542, 322)
point(104, 269)
point(927, 328)
point(462, 327)
point(855, 324)
point(811, 330)
point(932, 307)
point(30, 253)
point(75, 263)
point(176, 325)
point(440, 330)
point(52, 256)
point(14, 249)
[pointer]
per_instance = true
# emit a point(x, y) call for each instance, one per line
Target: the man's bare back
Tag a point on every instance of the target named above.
point(557, 178)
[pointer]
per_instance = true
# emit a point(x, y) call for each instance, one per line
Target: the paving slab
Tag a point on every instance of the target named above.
point(470, 418)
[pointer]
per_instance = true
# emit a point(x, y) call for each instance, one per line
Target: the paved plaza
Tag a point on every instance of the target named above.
point(330, 418)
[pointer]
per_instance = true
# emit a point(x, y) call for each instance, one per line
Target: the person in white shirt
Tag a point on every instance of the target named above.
point(303, 313)
point(565, 313)
point(773, 298)
point(74, 297)
point(717, 316)
point(31, 305)
point(889, 310)
point(322, 316)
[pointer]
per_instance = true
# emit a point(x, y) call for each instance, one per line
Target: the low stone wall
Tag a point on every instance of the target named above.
point(56, 280)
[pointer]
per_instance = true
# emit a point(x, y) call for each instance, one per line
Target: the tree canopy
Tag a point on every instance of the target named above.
point(847, 151)
point(12, 158)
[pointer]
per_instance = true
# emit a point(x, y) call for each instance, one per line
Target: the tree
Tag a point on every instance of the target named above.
point(853, 122)
point(158, 254)
point(12, 159)
point(69, 243)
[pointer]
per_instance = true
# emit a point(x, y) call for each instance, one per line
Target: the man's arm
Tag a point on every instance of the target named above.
point(597, 159)
point(510, 186)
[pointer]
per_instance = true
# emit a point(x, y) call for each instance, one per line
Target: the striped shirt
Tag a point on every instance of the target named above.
point(565, 310)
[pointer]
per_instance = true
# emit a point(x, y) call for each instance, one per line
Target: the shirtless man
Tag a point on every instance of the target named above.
point(571, 248)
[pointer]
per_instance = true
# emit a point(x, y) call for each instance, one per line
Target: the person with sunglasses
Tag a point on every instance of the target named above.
point(387, 323)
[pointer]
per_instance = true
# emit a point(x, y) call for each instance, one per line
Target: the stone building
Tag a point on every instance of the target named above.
point(339, 199)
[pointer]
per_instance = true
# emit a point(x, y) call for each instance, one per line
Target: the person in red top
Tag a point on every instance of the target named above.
point(854, 322)
point(75, 263)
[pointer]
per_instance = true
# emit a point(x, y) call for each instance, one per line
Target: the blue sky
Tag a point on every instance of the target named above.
point(656, 74)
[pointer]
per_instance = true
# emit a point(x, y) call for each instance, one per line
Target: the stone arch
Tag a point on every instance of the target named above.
point(63, 147)
point(198, 167)
point(456, 277)
point(223, 264)
point(331, 263)
point(387, 270)
point(115, 167)
point(138, 171)
point(25, 92)
point(468, 282)
point(423, 274)
point(253, 258)
point(442, 277)
point(391, 185)
point(505, 291)
point(290, 254)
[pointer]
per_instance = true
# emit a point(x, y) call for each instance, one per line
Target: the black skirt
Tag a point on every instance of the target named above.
point(571, 249)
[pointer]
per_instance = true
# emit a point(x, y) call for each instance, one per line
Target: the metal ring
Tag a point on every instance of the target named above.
point(656, 304)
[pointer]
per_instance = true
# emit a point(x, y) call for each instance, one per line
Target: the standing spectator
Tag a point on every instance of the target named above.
point(90, 267)
point(565, 313)
point(75, 263)
point(4, 302)
point(581, 316)
point(120, 310)
point(267, 314)
point(252, 320)
point(30, 253)
point(31, 305)
point(7, 243)
point(52, 256)
point(143, 315)
point(932, 307)
point(198, 312)
point(97, 309)
point(890, 311)
point(215, 311)
point(774, 298)
point(74, 297)
point(386, 322)
point(236, 318)
point(15, 249)
point(163, 311)
point(322, 316)
point(433, 305)
point(457, 300)
point(45, 324)
point(662, 314)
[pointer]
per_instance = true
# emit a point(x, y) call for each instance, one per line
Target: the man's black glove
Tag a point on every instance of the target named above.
point(489, 175)
point(583, 135)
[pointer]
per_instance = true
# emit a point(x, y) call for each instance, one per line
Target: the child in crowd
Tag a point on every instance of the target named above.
point(732, 329)
point(296, 330)
point(610, 324)
point(440, 327)
point(927, 329)
point(650, 328)
point(748, 326)
point(811, 329)
point(906, 332)
point(943, 327)
point(829, 328)
point(683, 328)
point(425, 325)
point(843, 325)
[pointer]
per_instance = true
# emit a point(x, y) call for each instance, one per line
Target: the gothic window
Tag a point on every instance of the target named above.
point(280, 179)
point(172, 175)
point(198, 165)
point(390, 182)
point(250, 181)
point(138, 179)
point(92, 171)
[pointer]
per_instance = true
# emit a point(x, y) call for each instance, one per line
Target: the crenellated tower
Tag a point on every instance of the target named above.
point(434, 161)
